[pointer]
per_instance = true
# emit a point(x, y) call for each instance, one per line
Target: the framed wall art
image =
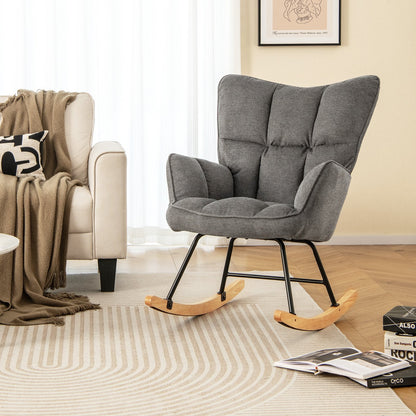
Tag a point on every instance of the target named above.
point(299, 22)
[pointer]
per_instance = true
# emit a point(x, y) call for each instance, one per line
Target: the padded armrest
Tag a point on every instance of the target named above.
point(328, 181)
point(107, 182)
point(192, 177)
point(321, 196)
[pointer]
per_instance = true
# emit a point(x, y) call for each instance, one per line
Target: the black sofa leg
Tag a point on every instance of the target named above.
point(107, 269)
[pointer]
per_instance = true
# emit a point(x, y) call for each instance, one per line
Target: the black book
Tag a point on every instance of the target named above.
point(401, 319)
point(400, 378)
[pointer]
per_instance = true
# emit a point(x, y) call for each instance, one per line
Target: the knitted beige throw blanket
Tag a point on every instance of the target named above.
point(37, 212)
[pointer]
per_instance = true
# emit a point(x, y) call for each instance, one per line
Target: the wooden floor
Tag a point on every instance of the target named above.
point(385, 276)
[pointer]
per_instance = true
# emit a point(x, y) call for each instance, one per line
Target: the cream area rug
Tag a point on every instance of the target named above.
point(127, 359)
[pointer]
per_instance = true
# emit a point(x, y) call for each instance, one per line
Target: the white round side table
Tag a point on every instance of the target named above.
point(8, 243)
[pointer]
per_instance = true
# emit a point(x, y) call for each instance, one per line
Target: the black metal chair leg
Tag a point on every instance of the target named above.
point(322, 271)
point(182, 270)
point(225, 271)
point(286, 275)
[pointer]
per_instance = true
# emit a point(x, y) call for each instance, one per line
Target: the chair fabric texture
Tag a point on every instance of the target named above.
point(285, 159)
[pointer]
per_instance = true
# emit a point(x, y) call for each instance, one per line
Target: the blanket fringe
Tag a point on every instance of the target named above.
point(82, 301)
point(57, 321)
point(58, 280)
point(78, 303)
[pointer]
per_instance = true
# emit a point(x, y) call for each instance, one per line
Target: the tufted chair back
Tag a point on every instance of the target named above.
point(271, 135)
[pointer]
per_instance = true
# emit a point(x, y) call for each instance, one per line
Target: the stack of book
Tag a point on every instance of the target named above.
point(399, 326)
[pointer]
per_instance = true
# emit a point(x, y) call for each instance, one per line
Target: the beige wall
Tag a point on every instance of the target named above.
point(378, 37)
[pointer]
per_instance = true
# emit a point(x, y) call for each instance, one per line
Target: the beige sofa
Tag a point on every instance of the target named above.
point(97, 225)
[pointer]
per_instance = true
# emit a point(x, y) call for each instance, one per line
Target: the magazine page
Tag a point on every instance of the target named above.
point(364, 365)
point(309, 362)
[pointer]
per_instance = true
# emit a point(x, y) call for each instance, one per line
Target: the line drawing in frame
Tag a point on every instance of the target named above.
point(299, 22)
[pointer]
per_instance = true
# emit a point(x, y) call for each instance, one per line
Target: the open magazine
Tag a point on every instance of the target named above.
point(348, 362)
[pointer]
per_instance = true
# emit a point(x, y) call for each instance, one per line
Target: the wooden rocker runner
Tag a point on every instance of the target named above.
point(195, 309)
point(285, 160)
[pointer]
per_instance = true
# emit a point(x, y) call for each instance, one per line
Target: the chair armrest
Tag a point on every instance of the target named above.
point(107, 175)
point(321, 196)
point(192, 177)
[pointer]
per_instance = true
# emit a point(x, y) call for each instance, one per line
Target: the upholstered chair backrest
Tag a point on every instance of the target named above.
point(270, 135)
point(79, 125)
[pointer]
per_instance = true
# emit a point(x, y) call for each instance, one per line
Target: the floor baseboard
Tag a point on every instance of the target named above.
point(372, 239)
point(349, 240)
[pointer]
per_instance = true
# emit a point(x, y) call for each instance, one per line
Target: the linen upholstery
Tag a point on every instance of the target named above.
point(107, 181)
point(285, 158)
point(79, 127)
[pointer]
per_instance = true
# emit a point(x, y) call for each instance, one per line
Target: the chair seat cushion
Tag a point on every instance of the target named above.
point(235, 217)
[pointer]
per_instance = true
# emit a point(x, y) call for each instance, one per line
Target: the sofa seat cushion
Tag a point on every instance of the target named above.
point(235, 217)
point(80, 218)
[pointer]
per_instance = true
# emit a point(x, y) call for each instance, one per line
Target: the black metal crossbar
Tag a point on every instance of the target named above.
point(270, 277)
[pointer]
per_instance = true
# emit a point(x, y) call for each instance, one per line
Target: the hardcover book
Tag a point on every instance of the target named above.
point(395, 341)
point(348, 362)
point(400, 378)
point(400, 319)
point(401, 354)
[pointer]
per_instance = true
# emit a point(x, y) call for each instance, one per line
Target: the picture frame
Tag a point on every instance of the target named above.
point(299, 22)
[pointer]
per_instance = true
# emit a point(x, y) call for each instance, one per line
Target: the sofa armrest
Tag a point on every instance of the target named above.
point(192, 177)
point(107, 180)
point(320, 198)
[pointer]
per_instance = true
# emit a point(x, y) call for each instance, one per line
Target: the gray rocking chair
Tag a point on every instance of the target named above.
point(285, 158)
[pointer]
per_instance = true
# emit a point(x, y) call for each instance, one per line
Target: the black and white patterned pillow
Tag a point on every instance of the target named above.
point(20, 154)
